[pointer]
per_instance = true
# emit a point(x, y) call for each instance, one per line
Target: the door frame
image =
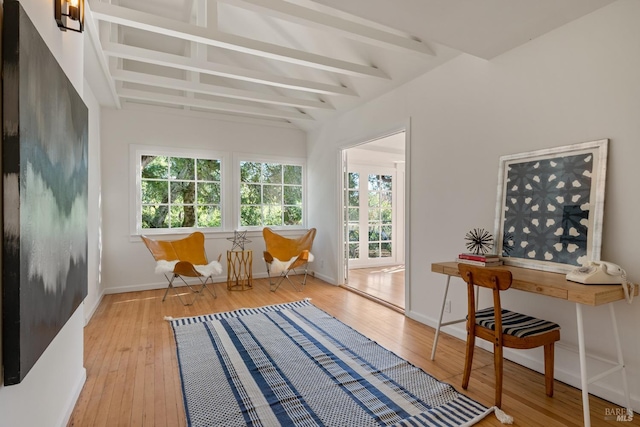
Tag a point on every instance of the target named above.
point(342, 254)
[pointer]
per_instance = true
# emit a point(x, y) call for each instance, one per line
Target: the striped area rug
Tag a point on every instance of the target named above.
point(295, 365)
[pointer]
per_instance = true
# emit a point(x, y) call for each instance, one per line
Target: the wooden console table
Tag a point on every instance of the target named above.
point(239, 270)
point(555, 285)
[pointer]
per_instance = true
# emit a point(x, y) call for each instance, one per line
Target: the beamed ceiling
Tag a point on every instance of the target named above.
point(294, 62)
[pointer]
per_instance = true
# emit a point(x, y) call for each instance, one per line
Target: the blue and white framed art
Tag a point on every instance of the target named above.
point(550, 205)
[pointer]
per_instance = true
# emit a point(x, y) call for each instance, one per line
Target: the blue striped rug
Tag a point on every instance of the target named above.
point(295, 365)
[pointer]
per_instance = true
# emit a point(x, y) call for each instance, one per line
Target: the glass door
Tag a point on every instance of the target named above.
point(370, 217)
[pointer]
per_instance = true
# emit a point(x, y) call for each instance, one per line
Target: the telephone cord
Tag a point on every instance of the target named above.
point(629, 288)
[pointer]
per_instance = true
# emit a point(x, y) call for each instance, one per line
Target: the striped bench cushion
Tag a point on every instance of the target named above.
point(515, 324)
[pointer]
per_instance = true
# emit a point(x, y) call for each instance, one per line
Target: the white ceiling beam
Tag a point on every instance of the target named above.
point(188, 11)
point(177, 61)
point(207, 89)
point(170, 27)
point(207, 115)
point(198, 51)
point(94, 37)
point(211, 105)
point(350, 29)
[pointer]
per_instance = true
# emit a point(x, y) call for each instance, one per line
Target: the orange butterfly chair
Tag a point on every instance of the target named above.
point(184, 258)
point(284, 255)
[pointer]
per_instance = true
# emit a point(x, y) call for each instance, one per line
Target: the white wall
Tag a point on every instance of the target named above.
point(128, 265)
point(578, 83)
point(54, 383)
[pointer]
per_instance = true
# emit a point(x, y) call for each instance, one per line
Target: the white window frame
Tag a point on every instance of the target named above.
point(135, 190)
point(282, 160)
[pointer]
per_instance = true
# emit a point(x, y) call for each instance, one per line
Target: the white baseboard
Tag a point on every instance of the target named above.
point(157, 285)
point(74, 398)
point(328, 279)
point(92, 310)
point(604, 390)
point(311, 273)
point(177, 284)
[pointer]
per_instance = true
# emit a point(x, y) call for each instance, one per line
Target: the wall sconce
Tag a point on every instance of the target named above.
point(68, 11)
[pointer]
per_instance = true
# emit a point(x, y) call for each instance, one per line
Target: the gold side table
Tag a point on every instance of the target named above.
point(239, 270)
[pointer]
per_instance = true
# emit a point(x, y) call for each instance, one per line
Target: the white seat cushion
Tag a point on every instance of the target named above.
point(213, 268)
point(277, 266)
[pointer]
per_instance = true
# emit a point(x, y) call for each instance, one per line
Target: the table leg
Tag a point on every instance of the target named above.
point(239, 270)
point(625, 384)
point(583, 367)
point(444, 302)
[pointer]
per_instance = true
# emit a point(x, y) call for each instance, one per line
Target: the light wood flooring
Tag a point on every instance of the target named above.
point(383, 283)
point(133, 379)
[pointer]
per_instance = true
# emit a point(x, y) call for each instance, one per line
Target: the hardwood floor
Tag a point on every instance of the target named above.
point(133, 379)
point(383, 283)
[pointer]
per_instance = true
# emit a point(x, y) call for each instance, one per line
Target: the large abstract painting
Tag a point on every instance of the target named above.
point(44, 171)
point(550, 206)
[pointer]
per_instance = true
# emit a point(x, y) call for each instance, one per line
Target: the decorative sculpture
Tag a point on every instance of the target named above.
point(239, 239)
point(480, 241)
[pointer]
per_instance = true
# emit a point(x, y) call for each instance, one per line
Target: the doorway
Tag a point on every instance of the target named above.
point(374, 218)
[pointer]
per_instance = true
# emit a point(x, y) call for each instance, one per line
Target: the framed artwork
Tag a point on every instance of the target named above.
point(550, 205)
point(45, 186)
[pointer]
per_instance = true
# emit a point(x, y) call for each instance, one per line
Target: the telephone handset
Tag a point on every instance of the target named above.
point(602, 273)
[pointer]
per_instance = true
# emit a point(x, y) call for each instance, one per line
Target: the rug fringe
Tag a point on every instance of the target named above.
point(171, 318)
point(502, 416)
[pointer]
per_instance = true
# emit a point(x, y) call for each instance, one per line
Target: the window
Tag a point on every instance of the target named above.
point(179, 192)
point(271, 194)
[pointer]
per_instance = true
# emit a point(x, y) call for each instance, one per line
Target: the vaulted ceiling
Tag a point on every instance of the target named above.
point(294, 62)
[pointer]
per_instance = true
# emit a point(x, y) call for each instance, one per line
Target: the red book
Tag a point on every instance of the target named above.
point(478, 257)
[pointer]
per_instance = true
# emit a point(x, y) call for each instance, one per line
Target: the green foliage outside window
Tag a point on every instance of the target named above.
point(270, 194)
point(179, 192)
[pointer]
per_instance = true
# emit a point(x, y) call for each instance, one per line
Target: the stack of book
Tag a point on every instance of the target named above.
point(483, 260)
